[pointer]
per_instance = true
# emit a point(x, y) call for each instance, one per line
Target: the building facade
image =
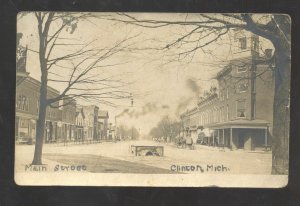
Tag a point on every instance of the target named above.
point(239, 114)
point(91, 126)
point(27, 110)
point(68, 120)
point(53, 118)
point(103, 124)
point(81, 131)
point(65, 120)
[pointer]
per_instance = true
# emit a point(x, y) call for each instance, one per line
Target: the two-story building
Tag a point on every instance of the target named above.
point(59, 119)
point(27, 109)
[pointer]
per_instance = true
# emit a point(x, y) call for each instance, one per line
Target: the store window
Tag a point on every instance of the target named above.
point(241, 108)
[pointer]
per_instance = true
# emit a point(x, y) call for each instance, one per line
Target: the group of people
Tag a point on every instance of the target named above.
point(185, 142)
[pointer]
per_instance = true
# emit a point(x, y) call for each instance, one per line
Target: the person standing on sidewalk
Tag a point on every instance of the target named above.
point(189, 142)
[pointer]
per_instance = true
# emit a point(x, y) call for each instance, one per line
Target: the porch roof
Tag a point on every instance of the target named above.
point(241, 123)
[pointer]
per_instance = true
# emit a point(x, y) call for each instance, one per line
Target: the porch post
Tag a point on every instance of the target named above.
point(231, 137)
point(218, 136)
point(266, 136)
point(223, 142)
point(29, 128)
point(19, 126)
point(213, 137)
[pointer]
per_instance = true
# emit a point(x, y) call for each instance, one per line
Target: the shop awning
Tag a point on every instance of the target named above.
point(241, 123)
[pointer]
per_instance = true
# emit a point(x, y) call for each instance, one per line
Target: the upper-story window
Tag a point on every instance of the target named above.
point(241, 108)
point(242, 68)
point(227, 92)
point(24, 123)
point(242, 87)
point(255, 44)
point(227, 112)
point(52, 113)
point(222, 94)
point(222, 114)
point(243, 43)
point(37, 105)
point(22, 103)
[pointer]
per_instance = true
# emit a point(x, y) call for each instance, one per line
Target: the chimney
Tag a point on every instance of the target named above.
point(268, 53)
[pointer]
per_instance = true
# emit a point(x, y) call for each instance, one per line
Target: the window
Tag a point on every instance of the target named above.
point(227, 93)
point(241, 108)
point(222, 94)
point(22, 103)
point(222, 114)
point(214, 115)
point(242, 68)
point(242, 87)
point(38, 105)
point(255, 44)
point(243, 43)
point(227, 112)
point(24, 123)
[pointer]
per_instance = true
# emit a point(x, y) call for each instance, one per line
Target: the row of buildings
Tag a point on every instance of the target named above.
point(238, 112)
point(64, 122)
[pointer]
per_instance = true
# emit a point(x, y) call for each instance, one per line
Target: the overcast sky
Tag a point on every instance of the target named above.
point(159, 87)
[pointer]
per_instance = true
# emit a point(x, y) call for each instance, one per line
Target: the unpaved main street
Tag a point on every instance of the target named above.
point(116, 158)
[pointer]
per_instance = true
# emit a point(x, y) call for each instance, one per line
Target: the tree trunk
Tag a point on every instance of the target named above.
point(281, 118)
point(37, 159)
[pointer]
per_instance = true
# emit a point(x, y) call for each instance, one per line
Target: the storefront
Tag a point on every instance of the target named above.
point(25, 128)
point(242, 134)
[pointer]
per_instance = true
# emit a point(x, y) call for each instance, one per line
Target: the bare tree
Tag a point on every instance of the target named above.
point(126, 132)
point(166, 128)
point(81, 66)
point(209, 28)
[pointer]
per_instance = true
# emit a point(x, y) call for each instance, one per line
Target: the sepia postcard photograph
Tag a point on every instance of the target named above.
point(152, 99)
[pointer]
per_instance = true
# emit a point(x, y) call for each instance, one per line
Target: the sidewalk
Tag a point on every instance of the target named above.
point(71, 143)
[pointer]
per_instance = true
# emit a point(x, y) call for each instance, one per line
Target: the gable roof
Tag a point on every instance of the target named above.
point(80, 112)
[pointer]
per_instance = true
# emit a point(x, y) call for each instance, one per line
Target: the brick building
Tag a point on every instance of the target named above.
point(239, 114)
point(27, 108)
point(65, 121)
point(60, 121)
